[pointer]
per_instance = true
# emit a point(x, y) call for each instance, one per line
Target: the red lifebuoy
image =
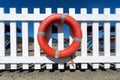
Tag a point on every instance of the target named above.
point(74, 26)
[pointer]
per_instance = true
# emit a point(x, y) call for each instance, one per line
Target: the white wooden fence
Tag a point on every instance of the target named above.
point(82, 58)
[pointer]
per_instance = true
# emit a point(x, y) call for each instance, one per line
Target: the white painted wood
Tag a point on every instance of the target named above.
point(95, 38)
point(13, 38)
point(37, 66)
point(36, 45)
point(117, 43)
point(78, 17)
point(60, 32)
point(117, 50)
point(60, 37)
point(49, 66)
point(71, 12)
point(107, 37)
point(43, 59)
point(61, 66)
point(2, 40)
point(72, 66)
point(49, 36)
point(84, 38)
point(25, 38)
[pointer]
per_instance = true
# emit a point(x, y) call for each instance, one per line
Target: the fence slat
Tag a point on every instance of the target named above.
point(2, 43)
point(95, 38)
point(49, 37)
point(71, 12)
point(84, 38)
point(36, 46)
point(25, 38)
point(13, 40)
point(2, 40)
point(60, 37)
point(72, 66)
point(117, 50)
point(107, 37)
point(49, 66)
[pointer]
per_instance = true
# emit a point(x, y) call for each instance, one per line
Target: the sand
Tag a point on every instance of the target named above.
point(99, 74)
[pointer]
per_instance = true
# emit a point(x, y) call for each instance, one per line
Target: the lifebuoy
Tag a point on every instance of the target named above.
point(74, 26)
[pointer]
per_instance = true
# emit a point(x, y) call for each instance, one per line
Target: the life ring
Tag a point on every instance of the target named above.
point(74, 26)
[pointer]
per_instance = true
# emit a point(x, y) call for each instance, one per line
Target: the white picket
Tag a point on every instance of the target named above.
point(84, 38)
point(13, 40)
point(71, 12)
point(49, 36)
point(25, 38)
point(107, 37)
point(36, 46)
point(117, 50)
point(2, 40)
point(95, 38)
point(60, 37)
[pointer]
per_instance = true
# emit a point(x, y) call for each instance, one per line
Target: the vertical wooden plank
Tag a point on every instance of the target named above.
point(49, 39)
point(71, 12)
point(36, 45)
point(107, 37)
point(95, 38)
point(2, 39)
point(25, 38)
point(117, 42)
point(84, 38)
point(60, 37)
point(49, 36)
point(13, 39)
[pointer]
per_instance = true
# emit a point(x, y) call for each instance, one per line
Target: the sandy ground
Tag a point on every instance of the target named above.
point(61, 75)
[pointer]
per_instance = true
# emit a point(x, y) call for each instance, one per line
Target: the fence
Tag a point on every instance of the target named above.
point(83, 58)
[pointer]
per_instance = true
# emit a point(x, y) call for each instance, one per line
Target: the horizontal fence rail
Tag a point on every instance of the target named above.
point(25, 52)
